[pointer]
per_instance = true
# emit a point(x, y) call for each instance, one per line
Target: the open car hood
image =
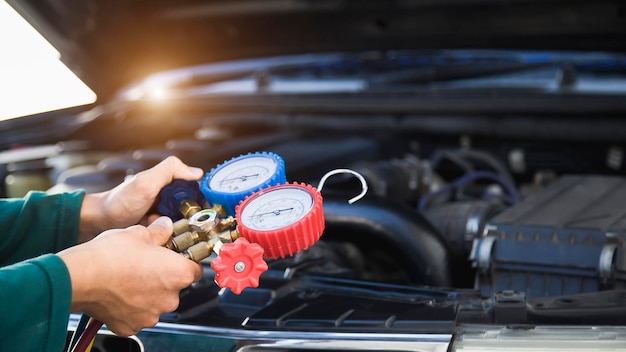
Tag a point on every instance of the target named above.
point(111, 44)
point(494, 214)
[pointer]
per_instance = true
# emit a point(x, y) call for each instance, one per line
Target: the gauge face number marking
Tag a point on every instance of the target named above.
point(277, 208)
point(243, 174)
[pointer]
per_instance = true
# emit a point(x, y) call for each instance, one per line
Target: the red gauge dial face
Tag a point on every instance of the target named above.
point(277, 208)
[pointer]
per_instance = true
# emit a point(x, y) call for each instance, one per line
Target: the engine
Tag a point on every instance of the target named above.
point(445, 213)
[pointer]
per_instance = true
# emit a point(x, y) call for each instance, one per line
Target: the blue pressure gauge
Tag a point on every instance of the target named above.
point(230, 182)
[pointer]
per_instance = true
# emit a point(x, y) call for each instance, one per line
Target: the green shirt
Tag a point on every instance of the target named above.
point(35, 287)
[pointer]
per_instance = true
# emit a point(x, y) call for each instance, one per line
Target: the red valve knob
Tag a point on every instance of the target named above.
point(239, 265)
point(297, 233)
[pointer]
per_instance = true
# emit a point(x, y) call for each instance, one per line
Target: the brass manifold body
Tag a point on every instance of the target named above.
point(201, 231)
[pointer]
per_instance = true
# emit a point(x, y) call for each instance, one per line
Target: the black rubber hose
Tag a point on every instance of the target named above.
point(416, 245)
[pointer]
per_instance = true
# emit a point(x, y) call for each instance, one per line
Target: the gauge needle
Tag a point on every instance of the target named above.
point(275, 212)
point(243, 178)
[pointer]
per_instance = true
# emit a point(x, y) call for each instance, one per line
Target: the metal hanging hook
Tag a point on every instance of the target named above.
point(345, 171)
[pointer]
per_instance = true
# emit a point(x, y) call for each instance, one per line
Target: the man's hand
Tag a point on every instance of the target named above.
point(128, 203)
point(126, 278)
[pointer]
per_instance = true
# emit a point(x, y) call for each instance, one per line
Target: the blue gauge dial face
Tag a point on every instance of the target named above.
point(243, 174)
point(277, 208)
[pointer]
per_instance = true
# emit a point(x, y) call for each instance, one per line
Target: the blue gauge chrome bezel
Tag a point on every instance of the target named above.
point(229, 200)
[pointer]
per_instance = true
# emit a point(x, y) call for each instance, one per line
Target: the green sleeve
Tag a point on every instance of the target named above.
point(35, 300)
point(35, 294)
point(38, 224)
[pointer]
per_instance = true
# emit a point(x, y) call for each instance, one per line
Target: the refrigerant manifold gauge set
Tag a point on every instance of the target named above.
point(244, 211)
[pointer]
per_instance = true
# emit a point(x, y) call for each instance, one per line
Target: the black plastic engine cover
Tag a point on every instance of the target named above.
point(566, 239)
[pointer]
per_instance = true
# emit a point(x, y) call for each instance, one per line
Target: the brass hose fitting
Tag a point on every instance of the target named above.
point(188, 208)
point(228, 236)
point(201, 231)
point(219, 209)
point(181, 226)
point(184, 241)
point(199, 251)
point(224, 224)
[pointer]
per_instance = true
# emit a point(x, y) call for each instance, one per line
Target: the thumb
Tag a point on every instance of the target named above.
point(160, 230)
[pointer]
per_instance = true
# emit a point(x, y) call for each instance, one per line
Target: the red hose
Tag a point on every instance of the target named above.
point(87, 336)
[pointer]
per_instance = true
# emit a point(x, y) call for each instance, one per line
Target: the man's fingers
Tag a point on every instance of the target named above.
point(160, 230)
point(197, 272)
point(173, 168)
point(149, 219)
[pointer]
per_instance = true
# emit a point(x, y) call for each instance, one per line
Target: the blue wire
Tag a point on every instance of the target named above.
point(467, 178)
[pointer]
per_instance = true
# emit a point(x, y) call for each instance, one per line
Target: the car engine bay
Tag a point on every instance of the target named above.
point(490, 136)
point(454, 228)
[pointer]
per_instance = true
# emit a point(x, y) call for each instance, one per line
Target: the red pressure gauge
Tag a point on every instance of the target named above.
point(274, 222)
point(283, 219)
